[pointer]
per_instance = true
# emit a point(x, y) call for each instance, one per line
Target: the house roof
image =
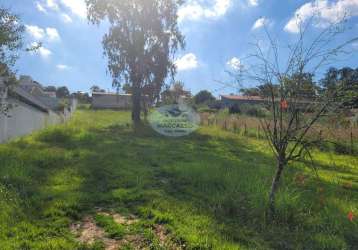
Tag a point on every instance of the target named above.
point(242, 98)
point(28, 98)
point(108, 94)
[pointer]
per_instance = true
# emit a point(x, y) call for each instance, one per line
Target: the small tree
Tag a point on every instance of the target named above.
point(292, 101)
point(142, 38)
point(204, 96)
point(62, 92)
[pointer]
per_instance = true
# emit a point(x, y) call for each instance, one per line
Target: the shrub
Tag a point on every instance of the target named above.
point(235, 109)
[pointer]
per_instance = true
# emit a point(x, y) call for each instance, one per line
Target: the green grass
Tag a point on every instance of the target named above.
point(113, 229)
point(209, 189)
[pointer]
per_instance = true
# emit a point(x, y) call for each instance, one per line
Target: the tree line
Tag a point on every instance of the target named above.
point(344, 79)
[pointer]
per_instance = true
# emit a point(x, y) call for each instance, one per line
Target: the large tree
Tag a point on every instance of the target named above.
point(140, 44)
point(346, 79)
point(11, 35)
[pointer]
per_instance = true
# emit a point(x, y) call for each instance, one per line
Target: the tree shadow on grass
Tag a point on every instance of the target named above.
point(223, 180)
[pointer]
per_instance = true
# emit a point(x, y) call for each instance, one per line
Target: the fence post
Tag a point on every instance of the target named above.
point(245, 132)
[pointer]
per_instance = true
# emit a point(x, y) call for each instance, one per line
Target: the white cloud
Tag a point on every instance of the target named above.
point(235, 63)
point(62, 67)
point(52, 4)
point(77, 7)
point(253, 2)
point(35, 31)
point(187, 62)
point(40, 7)
point(66, 18)
point(260, 23)
point(52, 34)
point(194, 10)
point(42, 51)
point(324, 12)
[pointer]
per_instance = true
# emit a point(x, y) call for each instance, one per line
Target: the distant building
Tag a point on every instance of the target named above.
point(111, 101)
point(231, 101)
point(35, 89)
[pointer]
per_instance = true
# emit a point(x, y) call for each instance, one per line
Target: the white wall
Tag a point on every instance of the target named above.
point(25, 119)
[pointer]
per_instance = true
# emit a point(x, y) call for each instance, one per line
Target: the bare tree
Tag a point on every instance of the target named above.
point(293, 115)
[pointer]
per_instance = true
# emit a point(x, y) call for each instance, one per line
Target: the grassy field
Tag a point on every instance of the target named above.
point(204, 191)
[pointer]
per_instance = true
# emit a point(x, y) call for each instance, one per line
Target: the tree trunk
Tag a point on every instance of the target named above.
point(136, 105)
point(274, 186)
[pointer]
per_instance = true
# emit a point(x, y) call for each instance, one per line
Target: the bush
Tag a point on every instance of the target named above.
point(206, 110)
point(341, 148)
point(235, 109)
point(253, 110)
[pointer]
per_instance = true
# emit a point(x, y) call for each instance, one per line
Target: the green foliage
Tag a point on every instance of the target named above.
point(143, 37)
point(204, 97)
point(209, 189)
point(11, 37)
point(62, 92)
point(345, 82)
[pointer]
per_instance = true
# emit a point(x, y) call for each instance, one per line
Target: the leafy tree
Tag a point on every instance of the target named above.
point(345, 79)
point(62, 92)
point(250, 91)
point(204, 96)
point(127, 88)
point(267, 89)
point(263, 90)
point(11, 41)
point(11, 37)
point(303, 85)
point(139, 45)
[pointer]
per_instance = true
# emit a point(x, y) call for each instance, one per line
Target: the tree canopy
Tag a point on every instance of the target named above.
point(204, 96)
point(11, 32)
point(62, 92)
point(139, 45)
point(344, 81)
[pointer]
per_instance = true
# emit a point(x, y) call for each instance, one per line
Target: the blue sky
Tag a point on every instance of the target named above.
point(218, 35)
